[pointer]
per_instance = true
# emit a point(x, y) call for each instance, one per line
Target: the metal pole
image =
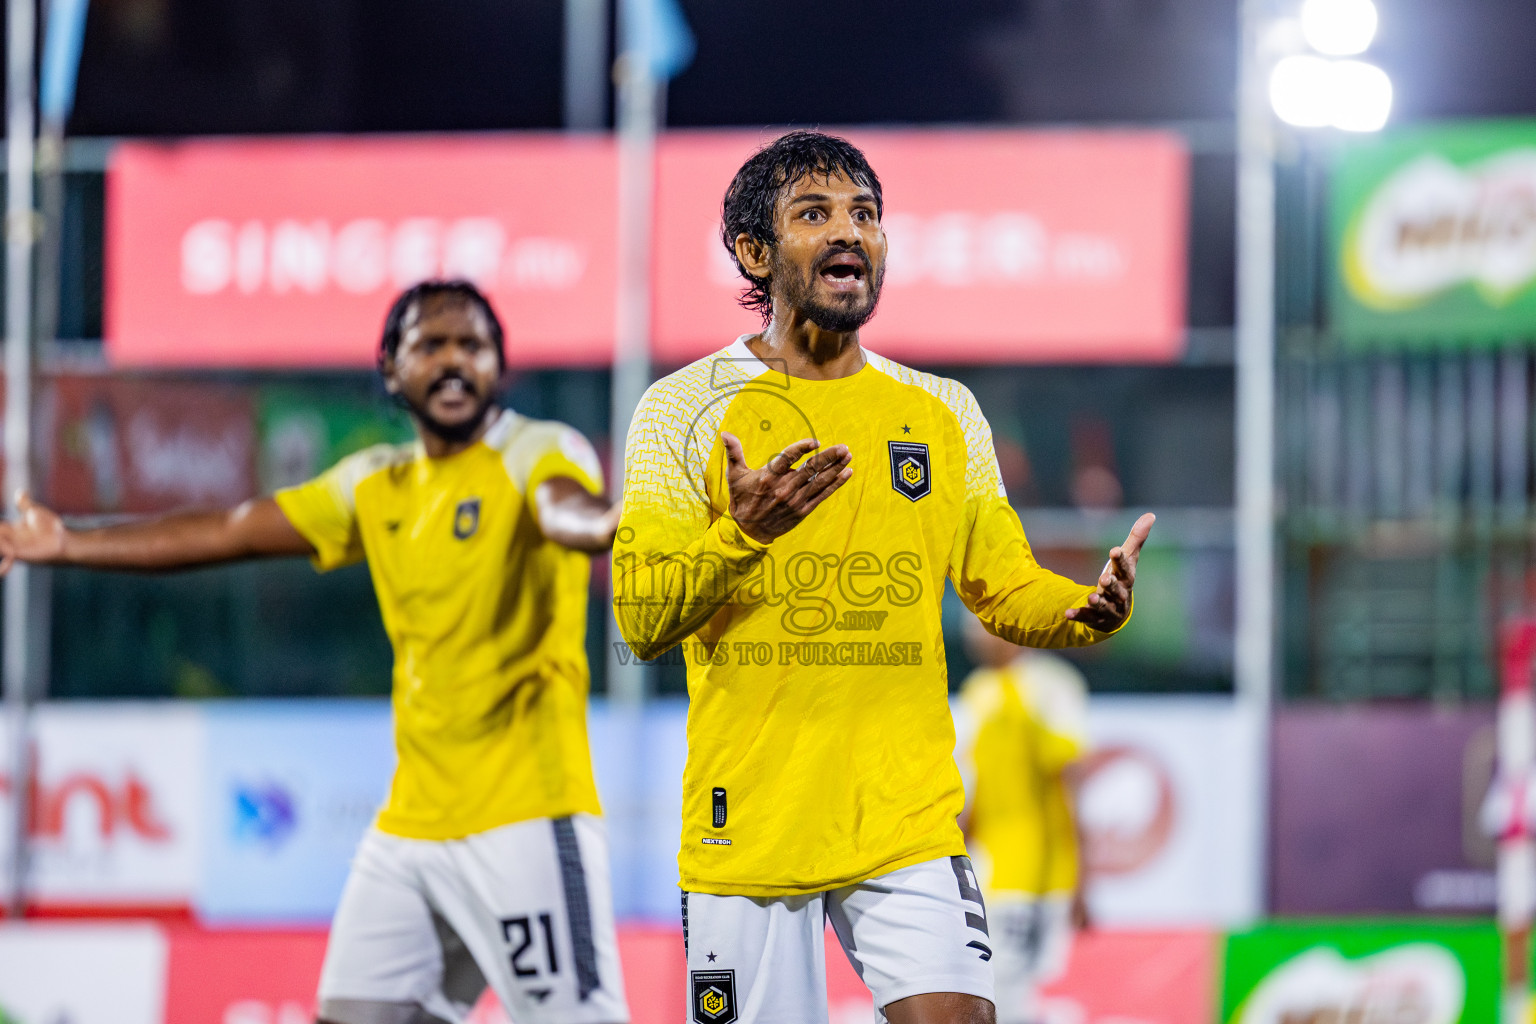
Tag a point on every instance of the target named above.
point(637, 109)
point(585, 97)
point(1506, 817)
point(21, 35)
point(1254, 662)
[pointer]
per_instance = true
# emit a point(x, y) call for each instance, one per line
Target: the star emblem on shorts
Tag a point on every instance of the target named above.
point(711, 957)
point(906, 429)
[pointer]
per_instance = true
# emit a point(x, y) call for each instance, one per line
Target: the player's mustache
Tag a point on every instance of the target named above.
point(445, 377)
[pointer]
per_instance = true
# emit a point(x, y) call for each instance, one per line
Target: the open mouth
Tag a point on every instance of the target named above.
point(451, 389)
point(844, 272)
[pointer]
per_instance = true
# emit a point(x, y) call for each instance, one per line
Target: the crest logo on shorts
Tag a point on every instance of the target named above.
point(714, 996)
point(466, 518)
point(909, 469)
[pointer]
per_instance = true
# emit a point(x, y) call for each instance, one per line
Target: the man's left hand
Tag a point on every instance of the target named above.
point(1110, 603)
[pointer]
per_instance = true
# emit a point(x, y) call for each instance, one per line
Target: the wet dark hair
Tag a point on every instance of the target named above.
point(752, 199)
point(394, 322)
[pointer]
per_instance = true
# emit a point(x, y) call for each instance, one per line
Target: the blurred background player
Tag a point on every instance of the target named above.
point(1023, 735)
point(820, 785)
point(488, 863)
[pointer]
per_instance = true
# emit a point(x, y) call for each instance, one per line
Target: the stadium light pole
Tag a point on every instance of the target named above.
point(1254, 657)
point(21, 36)
point(1277, 79)
point(635, 118)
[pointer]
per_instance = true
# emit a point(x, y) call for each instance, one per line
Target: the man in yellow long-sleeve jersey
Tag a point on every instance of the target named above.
point(488, 863)
point(802, 579)
point(1024, 718)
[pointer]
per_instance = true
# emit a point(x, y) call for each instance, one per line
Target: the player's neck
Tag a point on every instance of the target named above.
point(438, 445)
point(807, 351)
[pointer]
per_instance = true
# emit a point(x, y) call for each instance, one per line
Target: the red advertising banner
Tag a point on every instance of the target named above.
point(1145, 977)
point(140, 446)
point(1005, 245)
point(186, 974)
point(286, 253)
point(249, 977)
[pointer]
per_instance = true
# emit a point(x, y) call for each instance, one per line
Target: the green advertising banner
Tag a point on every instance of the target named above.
point(306, 430)
point(1427, 973)
point(1434, 236)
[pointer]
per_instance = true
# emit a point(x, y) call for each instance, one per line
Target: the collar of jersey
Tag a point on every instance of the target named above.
point(743, 360)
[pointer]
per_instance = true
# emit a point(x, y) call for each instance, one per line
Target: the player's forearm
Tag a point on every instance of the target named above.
point(1029, 610)
point(179, 541)
point(577, 520)
point(661, 598)
point(997, 577)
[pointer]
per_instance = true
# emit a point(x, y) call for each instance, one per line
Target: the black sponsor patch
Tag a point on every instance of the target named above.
point(717, 799)
point(466, 518)
point(910, 474)
point(714, 996)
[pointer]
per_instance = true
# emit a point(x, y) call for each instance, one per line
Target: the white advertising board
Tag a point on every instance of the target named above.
point(116, 801)
point(1163, 808)
point(57, 973)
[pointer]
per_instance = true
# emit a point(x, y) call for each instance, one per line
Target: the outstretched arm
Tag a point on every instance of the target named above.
point(573, 517)
point(997, 577)
point(254, 529)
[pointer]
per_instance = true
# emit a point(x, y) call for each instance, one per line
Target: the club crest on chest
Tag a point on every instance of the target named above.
point(466, 518)
point(911, 476)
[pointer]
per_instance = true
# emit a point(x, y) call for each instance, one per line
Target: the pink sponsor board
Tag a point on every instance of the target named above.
point(1004, 245)
point(288, 253)
point(1114, 977)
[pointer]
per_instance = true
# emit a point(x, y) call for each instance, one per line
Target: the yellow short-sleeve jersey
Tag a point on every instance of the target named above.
point(1027, 725)
point(487, 618)
point(820, 743)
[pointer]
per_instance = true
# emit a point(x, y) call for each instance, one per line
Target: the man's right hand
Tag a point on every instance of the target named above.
point(35, 535)
point(767, 503)
point(254, 529)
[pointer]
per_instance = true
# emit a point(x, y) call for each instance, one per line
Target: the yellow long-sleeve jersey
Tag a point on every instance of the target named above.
point(486, 615)
point(819, 736)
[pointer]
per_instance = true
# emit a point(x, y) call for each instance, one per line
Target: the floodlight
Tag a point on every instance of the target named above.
point(1339, 28)
point(1362, 96)
point(1301, 91)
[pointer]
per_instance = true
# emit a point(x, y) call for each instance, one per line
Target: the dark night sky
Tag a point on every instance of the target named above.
point(222, 66)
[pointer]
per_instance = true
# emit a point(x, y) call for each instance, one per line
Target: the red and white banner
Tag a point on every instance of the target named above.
point(124, 444)
point(116, 808)
point(1005, 245)
point(182, 974)
point(1161, 808)
point(287, 253)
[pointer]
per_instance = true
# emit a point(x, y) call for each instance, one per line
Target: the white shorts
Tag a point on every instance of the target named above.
point(915, 930)
point(1031, 940)
point(526, 908)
